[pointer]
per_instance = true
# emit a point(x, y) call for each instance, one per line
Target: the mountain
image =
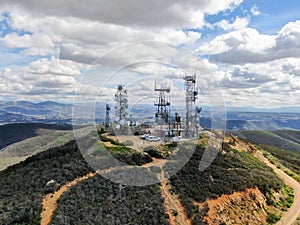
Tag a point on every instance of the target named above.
point(238, 118)
point(235, 187)
point(12, 133)
point(257, 121)
point(42, 112)
point(291, 109)
point(284, 139)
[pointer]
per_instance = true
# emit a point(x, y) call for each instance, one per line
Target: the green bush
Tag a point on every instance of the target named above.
point(234, 171)
point(128, 143)
point(273, 218)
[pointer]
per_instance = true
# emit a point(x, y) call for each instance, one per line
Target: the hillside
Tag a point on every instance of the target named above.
point(12, 133)
point(284, 139)
point(23, 187)
point(26, 140)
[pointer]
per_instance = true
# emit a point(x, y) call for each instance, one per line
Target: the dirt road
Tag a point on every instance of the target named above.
point(174, 208)
point(50, 201)
point(290, 216)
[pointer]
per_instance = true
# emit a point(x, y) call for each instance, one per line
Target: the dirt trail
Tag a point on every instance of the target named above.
point(50, 200)
point(173, 205)
point(172, 202)
point(291, 215)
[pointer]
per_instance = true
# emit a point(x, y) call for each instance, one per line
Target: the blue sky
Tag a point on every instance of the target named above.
point(41, 43)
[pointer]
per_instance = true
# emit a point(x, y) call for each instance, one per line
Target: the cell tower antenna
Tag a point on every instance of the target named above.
point(192, 112)
point(162, 104)
point(107, 120)
point(121, 99)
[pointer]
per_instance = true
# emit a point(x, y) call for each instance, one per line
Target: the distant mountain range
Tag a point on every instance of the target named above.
point(292, 109)
point(23, 111)
point(238, 118)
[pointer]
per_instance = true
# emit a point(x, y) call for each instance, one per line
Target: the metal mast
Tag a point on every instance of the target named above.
point(192, 112)
point(121, 107)
point(107, 116)
point(162, 105)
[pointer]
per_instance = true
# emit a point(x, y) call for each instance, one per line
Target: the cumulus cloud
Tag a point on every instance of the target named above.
point(20, 83)
point(175, 14)
point(292, 66)
point(255, 11)
point(243, 78)
point(238, 24)
point(82, 40)
point(249, 46)
point(56, 44)
point(36, 44)
point(261, 84)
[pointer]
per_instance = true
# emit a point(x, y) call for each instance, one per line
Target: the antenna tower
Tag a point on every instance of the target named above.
point(162, 105)
point(107, 116)
point(121, 107)
point(192, 112)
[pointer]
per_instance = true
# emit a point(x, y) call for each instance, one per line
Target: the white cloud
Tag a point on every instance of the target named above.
point(238, 42)
point(238, 24)
point(24, 85)
point(154, 13)
point(259, 69)
point(55, 66)
point(292, 66)
point(254, 10)
point(36, 44)
point(83, 40)
point(248, 45)
point(289, 38)
point(79, 33)
point(262, 84)
point(215, 6)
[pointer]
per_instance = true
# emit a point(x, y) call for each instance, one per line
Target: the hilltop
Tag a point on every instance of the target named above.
point(235, 180)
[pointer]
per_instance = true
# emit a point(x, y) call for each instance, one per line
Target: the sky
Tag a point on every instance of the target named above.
point(251, 48)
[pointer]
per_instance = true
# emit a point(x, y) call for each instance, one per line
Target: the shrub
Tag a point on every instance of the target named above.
point(127, 143)
point(273, 218)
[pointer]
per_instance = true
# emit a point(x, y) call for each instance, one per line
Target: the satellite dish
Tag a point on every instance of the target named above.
point(118, 126)
point(124, 101)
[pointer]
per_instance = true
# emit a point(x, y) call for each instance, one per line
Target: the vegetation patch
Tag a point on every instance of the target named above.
point(127, 143)
point(288, 159)
point(161, 151)
point(23, 185)
point(113, 203)
point(273, 218)
point(278, 163)
point(283, 139)
point(230, 172)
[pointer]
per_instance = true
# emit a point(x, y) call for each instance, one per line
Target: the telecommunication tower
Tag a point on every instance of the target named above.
point(192, 112)
point(121, 107)
point(162, 105)
point(177, 124)
point(107, 116)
